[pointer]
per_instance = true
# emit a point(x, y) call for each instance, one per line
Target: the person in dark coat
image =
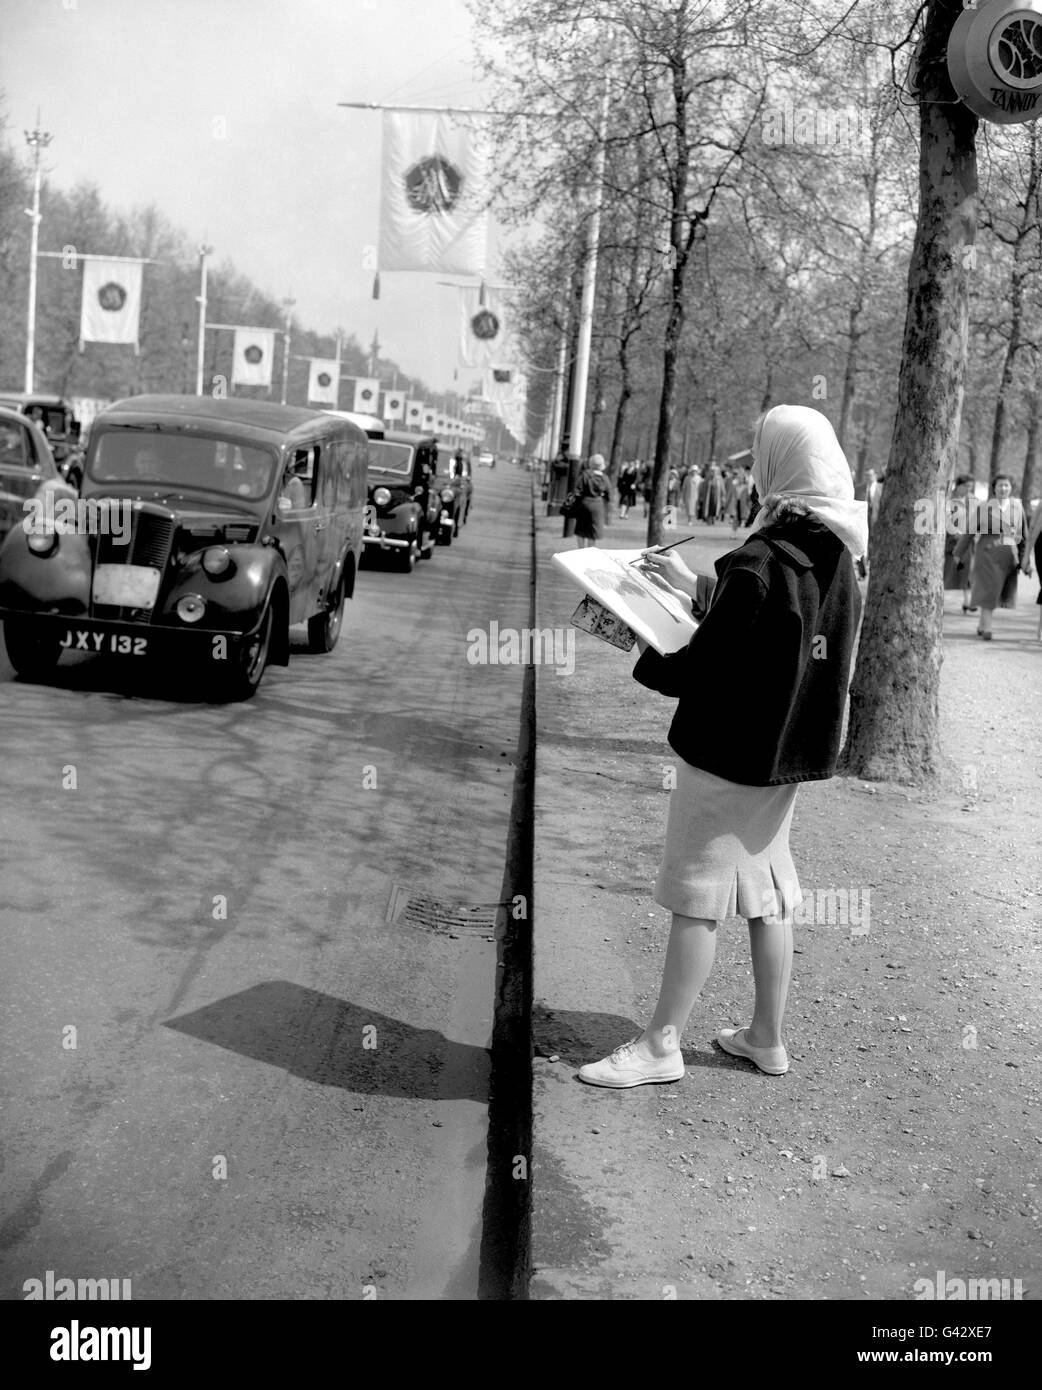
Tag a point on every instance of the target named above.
point(957, 570)
point(998, 545)
point(711, 496)
point(592, 495)
point(773, 648)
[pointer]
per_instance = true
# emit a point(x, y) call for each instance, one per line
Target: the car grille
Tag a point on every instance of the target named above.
point(151, 538)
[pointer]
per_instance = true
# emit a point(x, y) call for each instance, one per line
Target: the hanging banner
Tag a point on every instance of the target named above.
point(367, 396)
point(394, 405)
point(323, 380)
point(430, 417)
point(434, 194)
point(110, 309)
point(484, 328)
point(414, 414)
point(253, 356)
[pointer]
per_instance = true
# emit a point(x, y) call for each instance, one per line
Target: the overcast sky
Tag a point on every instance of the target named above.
point(130, 91)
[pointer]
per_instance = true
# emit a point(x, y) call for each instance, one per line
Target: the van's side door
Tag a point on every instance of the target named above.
point(299, 532)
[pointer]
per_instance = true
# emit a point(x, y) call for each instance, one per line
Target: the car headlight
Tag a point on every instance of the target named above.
point(190, 608)
point(216, 561)
point(42, 543)
point(447, 494)
point(381, 496)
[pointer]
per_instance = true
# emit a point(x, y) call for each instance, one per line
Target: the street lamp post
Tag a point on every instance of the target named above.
point(287, 304)
point(204, 251)
point(37, 140)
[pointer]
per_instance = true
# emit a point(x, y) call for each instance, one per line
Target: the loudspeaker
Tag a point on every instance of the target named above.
point(995, 59)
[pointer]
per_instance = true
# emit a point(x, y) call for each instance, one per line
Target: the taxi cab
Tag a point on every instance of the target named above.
point(205, 529)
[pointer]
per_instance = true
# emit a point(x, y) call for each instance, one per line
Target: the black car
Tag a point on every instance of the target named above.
point(404, 502)
point(205, 530)
point(456, 490)
point(55, 416)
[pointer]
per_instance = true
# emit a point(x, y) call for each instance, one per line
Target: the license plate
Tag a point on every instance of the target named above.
point(79, 639)
point(126, 586)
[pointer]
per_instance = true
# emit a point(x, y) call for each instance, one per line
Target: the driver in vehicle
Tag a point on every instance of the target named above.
point(148, 466)
point(292, 490)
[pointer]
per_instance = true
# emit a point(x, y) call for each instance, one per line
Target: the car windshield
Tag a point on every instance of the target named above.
point(390, 458)
point(121, 455)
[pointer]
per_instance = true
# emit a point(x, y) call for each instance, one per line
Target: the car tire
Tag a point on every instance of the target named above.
point(324, 628)
point(31, 656)
point(251, 660)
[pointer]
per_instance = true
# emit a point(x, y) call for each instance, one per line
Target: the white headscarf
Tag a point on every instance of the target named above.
point(796, 454)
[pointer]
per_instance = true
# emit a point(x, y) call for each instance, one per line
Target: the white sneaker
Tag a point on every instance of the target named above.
point(626, 1067)
point(772, 1060)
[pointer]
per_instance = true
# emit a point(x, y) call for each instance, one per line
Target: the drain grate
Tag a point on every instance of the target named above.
point(447, 919)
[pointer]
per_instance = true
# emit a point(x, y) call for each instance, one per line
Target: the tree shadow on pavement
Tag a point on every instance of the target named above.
point(577, 1038)
point(324, 1039)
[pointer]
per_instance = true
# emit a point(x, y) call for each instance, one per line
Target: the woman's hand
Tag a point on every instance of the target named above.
point(671, 568)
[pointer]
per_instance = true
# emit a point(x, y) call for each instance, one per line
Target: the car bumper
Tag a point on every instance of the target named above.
point(111, 637)
point(379, 540)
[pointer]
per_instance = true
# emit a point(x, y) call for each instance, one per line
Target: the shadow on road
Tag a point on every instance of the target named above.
point(324, 1039)
point(576, 1038)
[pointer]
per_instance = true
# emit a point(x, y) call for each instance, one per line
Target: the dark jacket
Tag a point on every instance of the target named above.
point(770, 660)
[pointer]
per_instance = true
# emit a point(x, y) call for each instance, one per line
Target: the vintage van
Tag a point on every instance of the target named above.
point(204, 531)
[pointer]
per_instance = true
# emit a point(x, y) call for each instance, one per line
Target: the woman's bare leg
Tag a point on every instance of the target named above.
point(770, 944)
point(985, 619)
point(689, 959)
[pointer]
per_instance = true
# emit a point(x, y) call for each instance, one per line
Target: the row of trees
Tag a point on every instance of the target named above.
point(169, 315)
point(783, 186)
point(758, 218)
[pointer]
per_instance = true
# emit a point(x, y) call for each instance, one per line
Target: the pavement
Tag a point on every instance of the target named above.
point(903, 1147)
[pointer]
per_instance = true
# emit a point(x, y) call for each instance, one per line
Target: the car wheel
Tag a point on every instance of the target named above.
point(251, 659)
point(324, 627)
point(30, 654)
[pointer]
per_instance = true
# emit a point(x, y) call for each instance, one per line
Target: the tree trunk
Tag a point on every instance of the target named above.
point(894, 695)
point(620, 424)
point(1027, 481)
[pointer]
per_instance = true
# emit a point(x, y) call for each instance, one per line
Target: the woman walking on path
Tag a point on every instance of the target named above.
point(773, 648)
point(711, 501)
point(998, 544)
point(960, 508)
point(1034, 544)
point(592, 494)
point(689, 493)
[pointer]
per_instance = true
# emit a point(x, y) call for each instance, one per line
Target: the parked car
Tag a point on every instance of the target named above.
point(27, 468)
point(487, 459)
point(456, 489)
point(56, 418)
point(205, 530)
point(405, 505)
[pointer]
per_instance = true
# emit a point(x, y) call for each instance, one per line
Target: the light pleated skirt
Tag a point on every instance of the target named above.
point(727, 849)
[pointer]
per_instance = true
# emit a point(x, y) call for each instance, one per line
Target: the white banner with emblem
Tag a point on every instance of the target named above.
point(323, 380)
point(434, 194)
point(110, 310)
point(252, 356)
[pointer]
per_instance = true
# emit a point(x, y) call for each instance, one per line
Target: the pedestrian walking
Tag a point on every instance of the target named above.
point(647, 486)
point(998, 545)
point(711, 496)
point(1034, 546)
point(689, 493)
point(627, 488)
point(787, 589)
point(592, 495)
point(960, 508)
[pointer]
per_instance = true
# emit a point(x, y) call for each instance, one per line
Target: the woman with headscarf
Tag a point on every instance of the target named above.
point(773, 648)
point(998, 544)
point(592, 494)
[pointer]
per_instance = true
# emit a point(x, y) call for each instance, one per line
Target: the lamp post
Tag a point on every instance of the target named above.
point(37, 140)
point(204, 251)
point(287, 304)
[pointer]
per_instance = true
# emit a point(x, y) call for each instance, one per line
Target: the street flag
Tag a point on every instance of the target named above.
point(111, 306)
point(484, 328)
point(434, 194)
point(367, 395)
point(394, 405)
point(439, 424)
point(430, 419)
point(323, 380)
point(252, 356)
point(414, 414)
